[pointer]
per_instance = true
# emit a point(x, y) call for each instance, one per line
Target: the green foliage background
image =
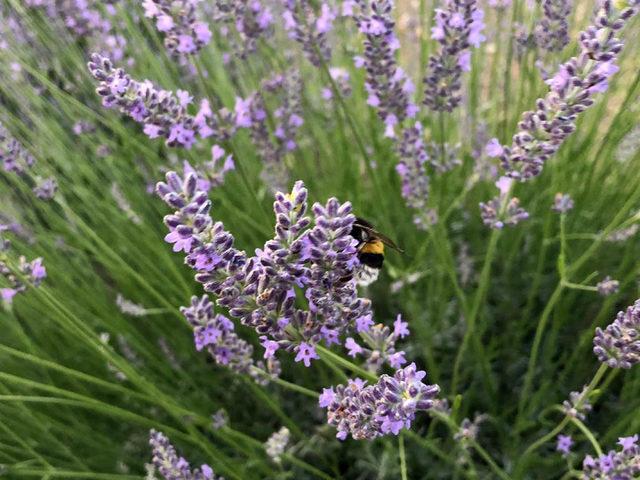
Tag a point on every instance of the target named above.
point(512, 343)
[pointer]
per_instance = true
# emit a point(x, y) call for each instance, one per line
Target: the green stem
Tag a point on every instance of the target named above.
point(588, 434)
point(403, 458)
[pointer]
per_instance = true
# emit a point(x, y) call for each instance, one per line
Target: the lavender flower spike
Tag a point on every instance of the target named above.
point(309, 28)
point(367, 412)
point(163, 113)
point(412, 170)
point(388, 85)
point(184, 34)
point(552, 32)
point(459, 26)
point(543, 131)
point(618, 345)
point(173, 467)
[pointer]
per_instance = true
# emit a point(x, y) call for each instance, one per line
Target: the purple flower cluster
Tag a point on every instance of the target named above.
point(183, 33)
point(388, 86)
point(608, 286)
point(459, 26)
point(381, 344)
point(320, 260)
point(543, 131)
point(621, 465)
point(163, 113)
point(618, 345)
point(502, 210)
point(252, 20)
point(412, 170)
point(171, 466)
point(563, 445)
point(552, 31)
point(15, 158)
point(215, 332)
point(286, 90)
point(34, 271)
point(562, 203)
point(370, 411)
point(85, 19)
point(309, 28)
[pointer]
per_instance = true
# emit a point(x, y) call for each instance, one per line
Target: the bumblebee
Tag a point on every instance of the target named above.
point(371, 244)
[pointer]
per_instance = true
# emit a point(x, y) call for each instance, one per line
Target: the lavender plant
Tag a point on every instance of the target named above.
point(288, 337)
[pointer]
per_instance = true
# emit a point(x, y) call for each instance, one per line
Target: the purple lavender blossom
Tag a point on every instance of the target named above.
point(543, 131)
point(562, 203)
point(459, 26)
point(309, 28)
point(183, 33)
point(502, 210)
point(46, 188)
point(171, 466)
point(412, 170)
point(563, 445)
point(620, 465)
point(320, 260)
point(608, 286)
point(274, 146)
point(34, 271)
point(242, 23)
point(552, 31)
point(163, 113)
point(388, 86)
point(13, 156)
point(618, 345)
point(370, 411)
point(380, 345)
point(577, 406)
point(215, 332)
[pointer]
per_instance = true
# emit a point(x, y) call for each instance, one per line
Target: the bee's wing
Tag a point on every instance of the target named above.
point(388, 242)
point(374, 233)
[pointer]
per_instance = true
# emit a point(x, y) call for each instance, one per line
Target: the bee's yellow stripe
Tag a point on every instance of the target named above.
point(375, 246)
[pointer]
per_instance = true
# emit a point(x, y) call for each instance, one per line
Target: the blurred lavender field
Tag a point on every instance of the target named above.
point(337, 239)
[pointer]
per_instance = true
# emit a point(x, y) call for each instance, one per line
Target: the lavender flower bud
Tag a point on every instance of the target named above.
point(618, 345)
